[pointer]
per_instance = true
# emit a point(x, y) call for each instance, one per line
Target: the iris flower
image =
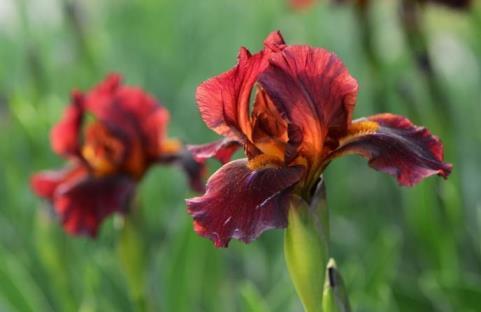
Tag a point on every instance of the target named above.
point(290, 108)
point(454, 4)
point(110, 137)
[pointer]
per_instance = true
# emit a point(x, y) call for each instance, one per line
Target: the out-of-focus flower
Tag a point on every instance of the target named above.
point(455, 4)
point(300, 120)
point(301, 4)
point(110, 136)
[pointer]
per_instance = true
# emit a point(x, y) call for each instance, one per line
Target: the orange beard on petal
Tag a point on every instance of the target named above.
point(359, 127)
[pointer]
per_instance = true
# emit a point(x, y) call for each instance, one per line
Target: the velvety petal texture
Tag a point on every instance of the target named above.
point(242, 203)
point(223, 101)
point(315, 91)
point(394, 145)
point(290, 107)
point(222, 150)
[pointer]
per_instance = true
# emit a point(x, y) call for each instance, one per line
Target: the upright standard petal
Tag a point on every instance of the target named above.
point(130, 111)
point(65, 136)
point(394, 145)
point(223, 101)
point(314, 90)
point(242, 203)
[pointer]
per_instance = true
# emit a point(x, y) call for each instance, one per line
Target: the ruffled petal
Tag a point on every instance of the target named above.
point(242, 203)
point(65, 136)
point(194, 169)
point(83, 201)
point(394, 145)
point(45, 183)
point(224, 100)
point(130, 111)
point(83, 204)
point(222, 150)
point(314, 90)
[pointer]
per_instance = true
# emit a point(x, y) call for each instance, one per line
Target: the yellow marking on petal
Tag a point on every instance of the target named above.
point(264, 160)
point(170, 146)
point(360, 128)
point(101, 165)
point(272, 149)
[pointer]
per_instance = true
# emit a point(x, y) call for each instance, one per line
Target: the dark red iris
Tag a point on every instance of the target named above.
point(110, 136)
point(301, 119)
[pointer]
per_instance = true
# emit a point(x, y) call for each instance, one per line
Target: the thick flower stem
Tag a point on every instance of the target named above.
point(131, 253)
point(306, 248)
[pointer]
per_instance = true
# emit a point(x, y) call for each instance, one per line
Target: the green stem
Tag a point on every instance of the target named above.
point(306, 247)
point(131, 252)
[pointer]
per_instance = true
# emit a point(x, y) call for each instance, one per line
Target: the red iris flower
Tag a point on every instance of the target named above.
point(455, 4)
point(110, 135)
point(300, 4)
point(300, 120)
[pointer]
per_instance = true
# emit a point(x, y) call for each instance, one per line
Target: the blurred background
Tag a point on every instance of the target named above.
point(399, 249)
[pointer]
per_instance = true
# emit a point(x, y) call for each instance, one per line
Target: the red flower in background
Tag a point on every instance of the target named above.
point(455, 4)
point(301, 4)
point(301, 119)
point(111, 136)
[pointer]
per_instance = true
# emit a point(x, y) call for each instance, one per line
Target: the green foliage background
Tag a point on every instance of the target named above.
point(399, 249)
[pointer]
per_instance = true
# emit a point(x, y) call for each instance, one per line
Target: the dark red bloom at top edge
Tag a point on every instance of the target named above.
point(110, 151)
point(301, 4)
point(455, 4)
point(301, 117)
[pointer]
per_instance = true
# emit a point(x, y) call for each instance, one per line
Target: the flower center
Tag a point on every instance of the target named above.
point(108, 154)
point(103, 151)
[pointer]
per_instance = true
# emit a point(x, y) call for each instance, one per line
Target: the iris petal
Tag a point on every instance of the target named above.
point(394, 145)
point(314, 90)
point(131, 112)
point(65, 135)
point(242, 203)
point(224, 100)
point(222, 150)
point(82, 206)
point(82, 201)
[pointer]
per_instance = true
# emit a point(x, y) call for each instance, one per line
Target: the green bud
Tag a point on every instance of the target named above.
point(335, 296)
